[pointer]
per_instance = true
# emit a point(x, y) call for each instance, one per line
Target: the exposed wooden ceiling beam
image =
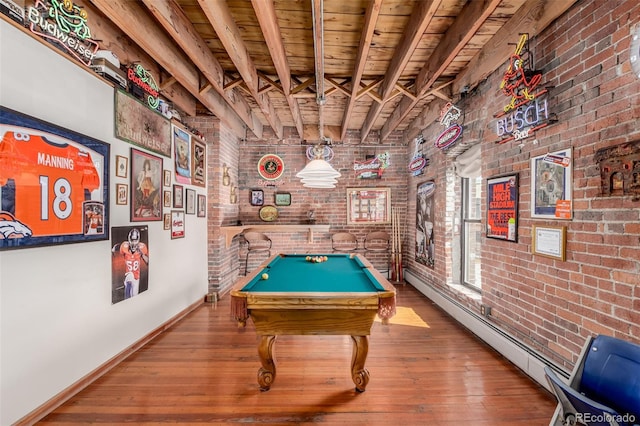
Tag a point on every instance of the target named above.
point(177, 25)
point(133, 19)
point(422, 15)
point(318, 53)
point(227, 30)
point(266, 13)
point(370, 19)
point(470, 19)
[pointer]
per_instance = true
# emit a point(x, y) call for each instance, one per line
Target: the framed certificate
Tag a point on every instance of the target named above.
point(549, 241)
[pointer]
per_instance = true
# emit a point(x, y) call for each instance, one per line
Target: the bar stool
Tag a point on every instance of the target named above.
point(378, 242)
point(344, 242)
point(256, 242)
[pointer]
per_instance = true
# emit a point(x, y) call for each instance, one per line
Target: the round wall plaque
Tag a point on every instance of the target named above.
point(270, 167)
point(268, 213)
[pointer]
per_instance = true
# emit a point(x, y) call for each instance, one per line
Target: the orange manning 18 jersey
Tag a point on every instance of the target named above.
point(50, 183)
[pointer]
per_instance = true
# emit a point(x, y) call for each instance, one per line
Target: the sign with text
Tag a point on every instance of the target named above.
point(502, 207)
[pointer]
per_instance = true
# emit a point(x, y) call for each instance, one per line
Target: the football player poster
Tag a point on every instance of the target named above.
point(53, 184)
point(129, 262)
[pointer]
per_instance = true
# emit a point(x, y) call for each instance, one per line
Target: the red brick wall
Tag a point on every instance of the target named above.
point(553, 305)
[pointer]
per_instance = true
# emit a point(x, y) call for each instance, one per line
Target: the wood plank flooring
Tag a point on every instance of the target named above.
point(425, 370)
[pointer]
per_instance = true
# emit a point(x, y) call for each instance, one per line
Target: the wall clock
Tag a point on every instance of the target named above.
point(634, 53)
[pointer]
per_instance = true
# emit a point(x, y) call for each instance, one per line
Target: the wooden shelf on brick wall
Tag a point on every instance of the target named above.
point(231, 231)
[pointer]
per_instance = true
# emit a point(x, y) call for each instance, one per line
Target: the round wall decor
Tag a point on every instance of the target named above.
point(268, 213)
point(270, 167)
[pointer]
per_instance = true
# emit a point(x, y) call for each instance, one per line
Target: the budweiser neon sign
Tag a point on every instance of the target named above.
point(142, 78)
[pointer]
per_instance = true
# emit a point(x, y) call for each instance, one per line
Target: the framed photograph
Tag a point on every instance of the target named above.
point(73, 169)
point(122, 194)
point(166, 199)
point(122, 166)
point(198, 162)
point(178, 200)
point(425, 247)
point(257, 197)
point(549, 241)
point(166, 178)
point(368, 205)
point(181, 154)
point(502, 207)
point(191, 201)
point(177, 224)
point(202, 205)
point(146, 186)
point(282, 199)
point(167, 221)
point(551, 185)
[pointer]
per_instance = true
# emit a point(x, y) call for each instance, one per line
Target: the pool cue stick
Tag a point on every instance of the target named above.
point(393, 247)
point(400, 273)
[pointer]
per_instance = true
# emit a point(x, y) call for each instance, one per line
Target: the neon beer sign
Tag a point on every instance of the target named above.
point(143, 79)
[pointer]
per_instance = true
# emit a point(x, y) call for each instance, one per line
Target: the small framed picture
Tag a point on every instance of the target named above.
point(549, 241)
point(177, 224)
point(191, 201)
point(122, 194)
point(282, 199)
point(166, 178)
point(178, 201)
point(122, 166)
point(167, 221)
point(202, 205)
point(146, 185)
point(166, 200)
point(257, 197)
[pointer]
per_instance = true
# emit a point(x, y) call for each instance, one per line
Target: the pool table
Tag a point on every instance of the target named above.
point(340, 296)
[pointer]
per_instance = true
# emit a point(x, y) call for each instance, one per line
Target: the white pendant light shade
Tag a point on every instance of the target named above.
point(318, 168)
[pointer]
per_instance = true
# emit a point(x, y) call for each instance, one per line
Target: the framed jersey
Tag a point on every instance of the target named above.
point(54, 184)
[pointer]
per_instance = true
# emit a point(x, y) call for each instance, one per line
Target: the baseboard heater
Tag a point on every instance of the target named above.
point(520, 354)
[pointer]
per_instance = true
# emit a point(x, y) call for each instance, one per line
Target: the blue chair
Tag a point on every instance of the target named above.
point(604, 387)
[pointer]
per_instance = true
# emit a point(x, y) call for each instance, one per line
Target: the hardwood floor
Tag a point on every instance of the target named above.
point(425, 370)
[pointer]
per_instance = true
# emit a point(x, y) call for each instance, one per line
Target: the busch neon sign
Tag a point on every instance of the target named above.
point(527, 110)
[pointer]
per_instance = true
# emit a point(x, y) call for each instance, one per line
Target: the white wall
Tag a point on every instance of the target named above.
point(57, 320)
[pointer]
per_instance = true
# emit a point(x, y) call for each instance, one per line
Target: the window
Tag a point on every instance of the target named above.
point(471, 232)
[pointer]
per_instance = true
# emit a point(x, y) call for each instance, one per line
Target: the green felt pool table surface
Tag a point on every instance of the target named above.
point(294, 273)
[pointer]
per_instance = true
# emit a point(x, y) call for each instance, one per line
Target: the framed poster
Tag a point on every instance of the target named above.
point(257, 197)
point(122, 166)
point(502, 207)
point(140, 125)
point(122, 194)
point(181, 154)
point(282, 199)
point(549, 241)
point(178, 201)
point(425, 221)
point(146, 186)
point(202, 205)
point(129, 262)
point(191, 201)
point(198, 162)
point(551, 185)
point(177, 224)
point(71, 188)
point(368, 205)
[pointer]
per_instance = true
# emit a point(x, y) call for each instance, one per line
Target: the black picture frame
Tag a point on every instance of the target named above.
point(256, 197)
point(502, 207)
point(282, 198)
point(92, 200)
point(191, 201)
point(178, 196)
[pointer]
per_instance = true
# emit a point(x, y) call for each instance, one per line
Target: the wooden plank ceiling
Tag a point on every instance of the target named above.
point(328, 69)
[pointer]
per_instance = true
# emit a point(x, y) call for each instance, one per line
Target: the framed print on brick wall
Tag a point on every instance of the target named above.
point(551, 185)
point(502, 207)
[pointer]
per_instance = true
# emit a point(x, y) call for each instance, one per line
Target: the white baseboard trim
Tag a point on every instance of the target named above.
point(523, 356)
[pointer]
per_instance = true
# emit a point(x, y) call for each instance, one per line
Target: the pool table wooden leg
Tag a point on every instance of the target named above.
point(266, 374)
point(359, 374)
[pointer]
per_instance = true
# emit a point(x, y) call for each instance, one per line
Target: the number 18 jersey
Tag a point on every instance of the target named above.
point(50, 182)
